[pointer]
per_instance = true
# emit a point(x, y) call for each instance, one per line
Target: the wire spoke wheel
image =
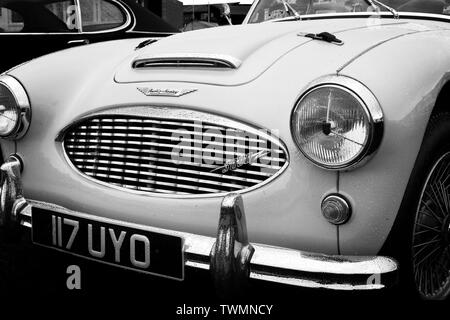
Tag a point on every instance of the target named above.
point(431, 233)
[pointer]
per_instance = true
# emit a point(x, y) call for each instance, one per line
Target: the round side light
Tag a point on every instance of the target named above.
point(336, 209)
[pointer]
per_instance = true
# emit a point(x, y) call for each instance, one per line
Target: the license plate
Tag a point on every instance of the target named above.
point(109, 242)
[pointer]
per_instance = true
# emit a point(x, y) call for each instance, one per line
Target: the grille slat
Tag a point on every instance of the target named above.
point(110, 130)
point(140, 138)
point(165, 123)
point(218, 160)
point(135, 174)
point(82, 158)
point(165, 168)
point(166, 142)
point(147, 183)
point(172, 156)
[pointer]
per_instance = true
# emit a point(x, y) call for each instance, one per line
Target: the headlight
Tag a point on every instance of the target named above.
point(337, 123)
point(14, 108)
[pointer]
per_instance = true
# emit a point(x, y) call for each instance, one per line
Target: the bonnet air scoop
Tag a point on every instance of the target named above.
point(187, 60)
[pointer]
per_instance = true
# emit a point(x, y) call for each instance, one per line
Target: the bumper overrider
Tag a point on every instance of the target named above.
point(231, 259)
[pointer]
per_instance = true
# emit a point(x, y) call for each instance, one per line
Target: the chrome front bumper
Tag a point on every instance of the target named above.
point(230, 257)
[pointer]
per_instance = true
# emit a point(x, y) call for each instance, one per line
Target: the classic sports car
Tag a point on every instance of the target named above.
point(311, 150)
point(32, 28)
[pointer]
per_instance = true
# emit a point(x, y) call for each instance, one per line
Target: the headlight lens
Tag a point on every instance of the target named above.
point(9, 112)
point(333, 127)
point(15, 111)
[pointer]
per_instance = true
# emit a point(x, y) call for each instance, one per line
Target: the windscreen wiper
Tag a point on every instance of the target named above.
point(289, 8)
point(375, 4)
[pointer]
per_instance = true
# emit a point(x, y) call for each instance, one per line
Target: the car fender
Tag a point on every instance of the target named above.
point(406, 76)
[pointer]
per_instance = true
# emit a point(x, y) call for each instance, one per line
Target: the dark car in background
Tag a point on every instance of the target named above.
point(31, 28)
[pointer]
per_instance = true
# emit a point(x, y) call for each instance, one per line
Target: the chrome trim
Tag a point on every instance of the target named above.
point(344, 202)
point(79, 18)
point(250, 12)
point(371, 107)
point(131, 13)
point(78, 42)
point(187, 60)
point(269, 263)
point(21, 97)
point(152, 32)
point(12, 201)
point(390, 9)
point(264, 174)
point(165, 113)
point(384, 14)
point(232, 252)
point(165, 92)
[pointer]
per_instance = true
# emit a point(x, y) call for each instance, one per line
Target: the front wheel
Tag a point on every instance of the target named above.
point(430, 243)
point(422, 235)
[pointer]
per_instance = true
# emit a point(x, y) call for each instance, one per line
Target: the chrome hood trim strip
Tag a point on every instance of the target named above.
point(187, 60)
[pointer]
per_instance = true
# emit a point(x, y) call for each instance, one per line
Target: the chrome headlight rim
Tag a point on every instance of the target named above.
point(23, 103)
point(369, 104)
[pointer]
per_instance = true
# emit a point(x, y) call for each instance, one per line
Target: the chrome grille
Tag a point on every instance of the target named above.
point(171, 156)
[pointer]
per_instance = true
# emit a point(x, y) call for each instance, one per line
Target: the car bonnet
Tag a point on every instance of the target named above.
point(235, 55)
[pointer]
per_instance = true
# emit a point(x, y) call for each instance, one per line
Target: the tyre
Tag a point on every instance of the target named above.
point(423, 228)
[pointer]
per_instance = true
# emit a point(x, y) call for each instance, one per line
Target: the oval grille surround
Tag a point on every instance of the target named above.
point(172, 152)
